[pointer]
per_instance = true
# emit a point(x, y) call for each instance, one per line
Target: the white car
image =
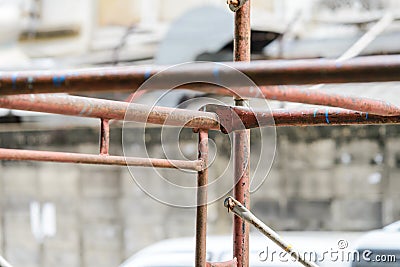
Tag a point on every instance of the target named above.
point(379, 247)
point(263, 252)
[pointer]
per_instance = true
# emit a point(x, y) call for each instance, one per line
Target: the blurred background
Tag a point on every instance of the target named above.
point(56, 33)
point(343, 179)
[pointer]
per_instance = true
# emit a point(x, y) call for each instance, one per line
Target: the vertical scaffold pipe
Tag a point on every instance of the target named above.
point(201, 213)
point(241, 140)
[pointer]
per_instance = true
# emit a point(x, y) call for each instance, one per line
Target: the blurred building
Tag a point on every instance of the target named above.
point(342, 178)
point(68, 33)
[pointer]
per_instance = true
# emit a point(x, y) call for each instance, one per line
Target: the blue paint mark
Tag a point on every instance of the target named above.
point(216, 72)
point(216, 75)
point(147, 74)
point(315, 113)
point(366, 116)
point(58, 81)
point(30, 81)
point(14, 81)
point(55, 81)
point(327, 116)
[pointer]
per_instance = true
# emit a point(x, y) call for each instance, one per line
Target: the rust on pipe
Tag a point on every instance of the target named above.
point(241, 191)
point(232, 263)
point(313, 71)
point(112, 110)
point(236, 118)
point(46, 156)
point(242, 35)
point(105, 137)
point(201, 212)
point(328, 117)
point(241, 142)
point(97, 108)
point(239, 210)
point(306, 96)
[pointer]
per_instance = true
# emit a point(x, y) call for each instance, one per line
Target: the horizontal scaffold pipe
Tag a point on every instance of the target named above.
point(312, 71)
point(313, 97)
point(237, 118)
point(107, 109)
point(231, 118)
point(61, 157)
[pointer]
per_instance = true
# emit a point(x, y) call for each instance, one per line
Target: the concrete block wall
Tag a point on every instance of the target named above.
point(322, 179)
point(19, 185)
point(100, 216)
point(342, 178)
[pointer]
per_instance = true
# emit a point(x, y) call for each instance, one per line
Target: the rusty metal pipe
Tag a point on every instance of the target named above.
point(96, 108)
point(236, 118)
point(201, 212)
point(241, 141)
point(241, 191)
point(112, 110)
point(327, 117)
point(46, 156)
point(241, 211)
point(306, 96)
point(242, 35)
point(104, 137)
point(313, 71)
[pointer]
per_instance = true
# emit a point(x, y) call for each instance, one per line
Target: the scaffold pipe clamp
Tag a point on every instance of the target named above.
point(235, 5)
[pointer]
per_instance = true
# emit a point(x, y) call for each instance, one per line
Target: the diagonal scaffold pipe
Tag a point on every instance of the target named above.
point(242, 212)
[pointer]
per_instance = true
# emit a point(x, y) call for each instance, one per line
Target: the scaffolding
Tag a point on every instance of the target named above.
point(36, 91)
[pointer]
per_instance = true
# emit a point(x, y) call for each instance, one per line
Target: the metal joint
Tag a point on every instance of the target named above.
point(235, 5)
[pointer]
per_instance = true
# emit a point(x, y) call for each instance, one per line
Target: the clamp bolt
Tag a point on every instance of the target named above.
point(235, 5)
